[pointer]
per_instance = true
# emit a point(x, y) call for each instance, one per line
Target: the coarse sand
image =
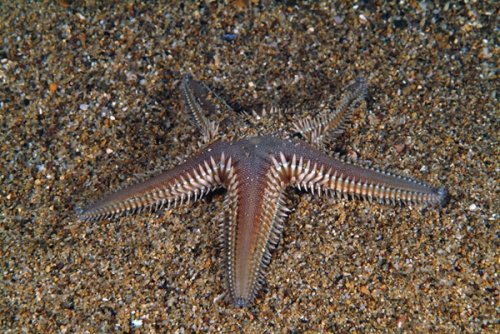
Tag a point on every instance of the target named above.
point(90, 101)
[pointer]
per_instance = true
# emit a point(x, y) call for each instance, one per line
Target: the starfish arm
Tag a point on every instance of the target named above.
point(315, 130)
point(194, 94)
point(315, 171)
point(250, 231)
point(188, 181)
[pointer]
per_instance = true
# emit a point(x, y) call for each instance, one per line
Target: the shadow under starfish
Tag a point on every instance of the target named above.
point(256, 170)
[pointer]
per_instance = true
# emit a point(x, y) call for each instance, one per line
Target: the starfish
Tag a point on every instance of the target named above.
point(256, 170)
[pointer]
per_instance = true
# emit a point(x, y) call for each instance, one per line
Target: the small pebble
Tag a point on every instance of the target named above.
point(137, 323)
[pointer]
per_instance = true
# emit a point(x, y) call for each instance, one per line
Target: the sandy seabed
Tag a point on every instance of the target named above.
point(89, 101)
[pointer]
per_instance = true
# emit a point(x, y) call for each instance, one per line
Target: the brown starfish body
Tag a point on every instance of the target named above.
point(256, 171)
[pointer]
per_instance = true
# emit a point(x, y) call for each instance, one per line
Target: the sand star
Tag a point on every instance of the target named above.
point(256, 171)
